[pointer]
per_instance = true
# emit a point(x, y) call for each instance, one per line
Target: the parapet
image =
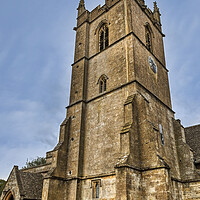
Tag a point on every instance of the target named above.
point(87, 16)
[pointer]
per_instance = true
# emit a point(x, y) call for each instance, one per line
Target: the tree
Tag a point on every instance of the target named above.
point(35, 162)
point(2, 185)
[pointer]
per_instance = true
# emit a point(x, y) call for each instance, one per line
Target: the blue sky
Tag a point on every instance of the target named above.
point(36, 53)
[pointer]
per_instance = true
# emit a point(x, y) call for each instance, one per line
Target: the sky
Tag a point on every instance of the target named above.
point(36, 53)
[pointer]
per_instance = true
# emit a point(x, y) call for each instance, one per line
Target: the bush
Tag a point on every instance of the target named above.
point(2, 185)
point(35, 162)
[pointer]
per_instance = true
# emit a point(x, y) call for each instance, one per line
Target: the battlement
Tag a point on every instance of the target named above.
point(89, 16)
point(97, 12)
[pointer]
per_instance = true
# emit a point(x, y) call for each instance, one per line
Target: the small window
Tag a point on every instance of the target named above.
point(161, 134)
point(103, 37)
point(102, 86)
point(102, 83)
point(95, 189)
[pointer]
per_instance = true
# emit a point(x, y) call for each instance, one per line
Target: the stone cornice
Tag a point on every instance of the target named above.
point(117, 41)
point(117, 88)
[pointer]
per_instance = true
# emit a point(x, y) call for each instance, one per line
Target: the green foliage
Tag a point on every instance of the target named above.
point(35, 162)
point(2, 184)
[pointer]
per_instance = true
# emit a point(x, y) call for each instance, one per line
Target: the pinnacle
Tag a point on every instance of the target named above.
point(81, 7)
point(82, 2)
point(155, 6)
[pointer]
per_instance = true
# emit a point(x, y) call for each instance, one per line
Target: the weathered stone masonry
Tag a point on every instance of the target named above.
point(120, 140)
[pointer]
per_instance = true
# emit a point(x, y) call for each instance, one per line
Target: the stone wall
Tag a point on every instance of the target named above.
point(156, 184)
point(12, 185)
point(39, 169)
point(176, 190)
point(192, 138)
point(104, 121)
point(139, 19)
point(107, 188)
point(191, 190)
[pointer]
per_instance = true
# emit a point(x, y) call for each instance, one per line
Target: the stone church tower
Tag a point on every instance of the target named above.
point(120, 140)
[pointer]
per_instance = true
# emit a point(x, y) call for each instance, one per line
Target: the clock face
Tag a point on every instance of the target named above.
point(152, 65)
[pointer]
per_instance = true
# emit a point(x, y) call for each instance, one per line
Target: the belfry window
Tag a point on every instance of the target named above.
point(148, 36)
point(103, 37)
point(102, 83)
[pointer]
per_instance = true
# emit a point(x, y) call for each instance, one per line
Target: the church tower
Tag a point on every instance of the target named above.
point(120, 140)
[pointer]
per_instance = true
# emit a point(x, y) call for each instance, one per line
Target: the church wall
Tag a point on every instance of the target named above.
point(156, 184)
point(104, 121)
point(128, 185)
point(185, 155)
point(58, 189)
point(115, 20)
point(81, 42)
point(192, 137)
point(139, 20)
point(45, 189)
point(104, 117)
point(176, 190)
point(12, 186)
point(71, 187)
point(130, 55)
point(191, 190)
point(74, 139)
point(114, 67)
point(39, 169)
point(55, 189)
point(156, 83)
point(159, 114)
point(77, 82)
point(107, 190)
point(134, 189)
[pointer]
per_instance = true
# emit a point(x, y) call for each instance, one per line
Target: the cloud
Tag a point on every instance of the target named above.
point(29, 121)
point(28, 130)
point(34, 83)
point(18, 156)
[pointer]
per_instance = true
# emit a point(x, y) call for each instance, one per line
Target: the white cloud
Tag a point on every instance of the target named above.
point(18, 156)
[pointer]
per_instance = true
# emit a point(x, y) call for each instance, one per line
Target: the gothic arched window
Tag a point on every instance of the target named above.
point(103, 37)
point(148, 36)
point(102, 83)
point(9, 196)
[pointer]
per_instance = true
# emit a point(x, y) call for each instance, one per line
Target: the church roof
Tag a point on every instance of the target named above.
point(25, 185)
point(30, 184)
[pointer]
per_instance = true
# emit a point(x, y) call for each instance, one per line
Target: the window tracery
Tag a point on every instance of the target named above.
point(103, 37)
point(148, 36)
point(102, 83)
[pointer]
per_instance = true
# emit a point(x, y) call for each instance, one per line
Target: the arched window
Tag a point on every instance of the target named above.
point(148, 36)
point(103, 37)
point(8, 196)
point(102, 83)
